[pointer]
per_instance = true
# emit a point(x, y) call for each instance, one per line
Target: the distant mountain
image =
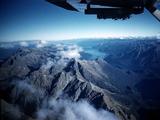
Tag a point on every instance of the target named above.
point(141, 57)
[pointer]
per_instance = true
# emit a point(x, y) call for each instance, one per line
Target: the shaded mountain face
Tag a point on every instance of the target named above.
point(56, 83)
point(142, 58)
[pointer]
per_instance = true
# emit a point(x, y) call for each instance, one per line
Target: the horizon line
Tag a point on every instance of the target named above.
point(83, 38)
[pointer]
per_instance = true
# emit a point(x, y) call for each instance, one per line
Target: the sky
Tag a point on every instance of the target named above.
point(40, 20)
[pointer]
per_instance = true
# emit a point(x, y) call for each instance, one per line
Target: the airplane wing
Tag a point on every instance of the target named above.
point(150, 6)
point(63, 3)
point(110, 9)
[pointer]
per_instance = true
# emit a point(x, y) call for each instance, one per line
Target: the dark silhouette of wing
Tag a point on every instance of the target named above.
point(152, 9)
point(63, 3)
point(111, 9)
point(114, 13)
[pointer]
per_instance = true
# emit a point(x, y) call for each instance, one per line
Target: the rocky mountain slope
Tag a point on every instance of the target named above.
point(32, 80)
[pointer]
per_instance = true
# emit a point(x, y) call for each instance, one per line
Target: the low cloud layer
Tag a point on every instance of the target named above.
point(67, 110)
point(62, 109)
point(69, 51)
point(41, 43)
point(7, 45)
point(48, 65)
point(24, 44)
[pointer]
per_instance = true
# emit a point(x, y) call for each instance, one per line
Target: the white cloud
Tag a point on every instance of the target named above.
point(23, 85)
point(71, 54)
point(24, 44)
point(48, 65)
point(60, 47)
point(41, 43)
point(71, 51)
point(67, 110)
point(7, 45)
point(158, 36)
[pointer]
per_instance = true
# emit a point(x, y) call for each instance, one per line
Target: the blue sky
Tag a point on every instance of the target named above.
point(40, 20)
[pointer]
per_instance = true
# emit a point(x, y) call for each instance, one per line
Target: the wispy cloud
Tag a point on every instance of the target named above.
point(48, 65)
point(24, 44)
point(69, 51)
point(41, 43)
point(23, 85)
point(67, 110)
point(7, 45)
